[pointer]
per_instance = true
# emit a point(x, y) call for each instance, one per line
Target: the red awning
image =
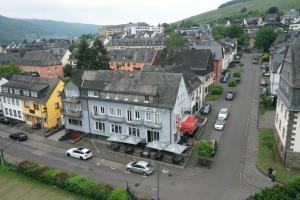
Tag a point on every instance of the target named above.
point(188, 125)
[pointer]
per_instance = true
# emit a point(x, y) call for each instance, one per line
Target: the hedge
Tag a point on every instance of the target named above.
point(68, 181)
point(119, 194)
point(237, 74)
point(232, 83)
point(217, 90)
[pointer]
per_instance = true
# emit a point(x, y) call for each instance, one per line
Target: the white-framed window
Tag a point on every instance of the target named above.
point(33, 94)
point(95, 110)
point(276, 118)
point(13, 101)
point(148, 116)
point(135, 98)
point(10, 112)
point(6, 111)
point(125, 97)
point(26, 93)
point(8, 100)
point(17, 91)
point(15, 113)
point(36, 106)
point(99, 126)
point(129, 115)
point(11, 90)
point(137, 114)
point(27, 103)
point(119, 112)
point(283, 132)
point(19, 114)
point(102, 110)
point(75, 122)
point(147, 99)
point(71, 93)
point(280, 124)
point(4, 99)
point(56, 105)
point(115, 128)
point(156, 118)
point(93, 93)
point(285, 114)
point(152, 136)
point(17, 102)
point(111, 111)
point(5, 89)
point(116, 97)
point(134, 131)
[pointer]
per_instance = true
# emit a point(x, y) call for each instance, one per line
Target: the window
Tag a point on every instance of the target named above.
point(5, 89)
point(137, 114)
point(99, 126)
point(206, 90)
point(134, 131)
point(148, 116)
point(146, 99)
point(11, 90)
point(27, 104)
point(71, 93)
point(276, 117)
point(8, 100)
point(13, 101)
point(283, 132)
point(33, 94)
point(285, 114)
point(111, 111)
point(92, 93)
point(17, 102)
point(125, 97)
point(116, 97)
point(17, 91)
point(281, 107)
point(6, 111)
point(156, 118)
point(10, 112)
point(15, 113)
point(75, 122)
point(35, 106)
point(279, 124)
point(129, 115)
point(19, 114)
point(26, 93)
point(95, 109)
point(56, 105)
point(102, 110)
point(116, 128)
point(152, 135)
point(119, 112)
point(135, 98)
point(4, 99)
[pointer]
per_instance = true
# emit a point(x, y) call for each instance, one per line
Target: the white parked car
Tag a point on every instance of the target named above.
point(219, 125)
point(142, 167)
point(81, 153)
point(223, 113)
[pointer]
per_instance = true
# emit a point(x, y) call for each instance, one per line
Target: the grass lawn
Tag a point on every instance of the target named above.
point(213, 97)
point(263, 109)
point(16, 186)
point(265, 159)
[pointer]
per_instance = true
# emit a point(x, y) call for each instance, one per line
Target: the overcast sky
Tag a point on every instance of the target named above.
point(103, 12)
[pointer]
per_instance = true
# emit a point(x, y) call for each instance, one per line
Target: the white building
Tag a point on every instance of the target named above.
point(276, 66)
point(2, 82)
point(12, 107)
point(295, 27)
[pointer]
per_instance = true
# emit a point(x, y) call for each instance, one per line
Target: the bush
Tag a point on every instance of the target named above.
point(50, 175)
point(237, 74)
point(265, 57)
point(119, 194)
point(232, 83)
point(217, 90)
point(204, 148)
point(266, 100)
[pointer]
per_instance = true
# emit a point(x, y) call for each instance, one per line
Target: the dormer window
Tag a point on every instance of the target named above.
point(34, 94)
point(26, 93)
point(5, 89)
point(11, 90)
point(92, 93)
point(17, 91)
point(125, 97)
point(116, 97)
point(135, 98)
point(146, 99)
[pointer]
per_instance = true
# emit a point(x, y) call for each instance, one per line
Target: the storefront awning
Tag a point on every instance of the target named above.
point(117, 138)
point(189, 124)
point(175, 148)
point(157, 145)
point(133, 140)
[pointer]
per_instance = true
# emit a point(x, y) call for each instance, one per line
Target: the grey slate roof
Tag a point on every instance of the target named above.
point(155, 41)
point(215, 47)
point(58, 52)
point(277, 60)
point(132, 55)
point(6, 58)
point(198, 60)
point(39, 58)
point(163, 86)
point(44, 86)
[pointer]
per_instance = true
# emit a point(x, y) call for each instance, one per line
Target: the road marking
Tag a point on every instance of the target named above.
point(95, 146)
point(112, 168)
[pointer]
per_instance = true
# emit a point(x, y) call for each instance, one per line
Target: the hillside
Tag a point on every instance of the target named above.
point(233, 9)
point(19, 29)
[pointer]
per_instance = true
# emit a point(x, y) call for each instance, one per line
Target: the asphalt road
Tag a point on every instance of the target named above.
point(222, 182)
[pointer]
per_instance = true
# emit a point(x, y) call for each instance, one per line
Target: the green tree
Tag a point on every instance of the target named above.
point(68, 70)
point(94, 57)
point(74, 46)
point(204, 148)
point(119, 194)
point(232, 83)
point(264, 38)
point(168, 28)
point(176, 40)
point(8, 70)
point(272, 10)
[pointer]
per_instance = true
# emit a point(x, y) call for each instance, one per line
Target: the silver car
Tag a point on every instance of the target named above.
point(141, 167)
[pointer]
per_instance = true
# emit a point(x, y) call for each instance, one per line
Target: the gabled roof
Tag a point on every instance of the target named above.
point(277, 61)
point(215, 47)
point(6, 58)
point(198, 60)
point(132, 55)
point(39, 58)
point(44, 86)
point(162, 86)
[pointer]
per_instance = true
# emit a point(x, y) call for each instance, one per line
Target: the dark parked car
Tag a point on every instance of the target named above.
point(214, 143)
point(225, 78)
point(230, 96)
point(231, 65)
point(205, 110)
point(18, 136)
point(5, 120)
point(237, 79)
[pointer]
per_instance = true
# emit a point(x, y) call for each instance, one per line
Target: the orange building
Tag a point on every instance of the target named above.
point(130, 59)
point(43, 62)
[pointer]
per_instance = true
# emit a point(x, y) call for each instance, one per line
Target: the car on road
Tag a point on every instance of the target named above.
point(206, 109)
point(214, 144)
point(20, 136)
point(142, 167)
point(237, 79)
point(265, 91)
point(223, 113)
point(5, 120)
point(81, 153)
point(225, 78)
point(230, 96)
point(255, 61)
point(220, 124)
point(263, 82)
point(231, 65)
point(267, 74)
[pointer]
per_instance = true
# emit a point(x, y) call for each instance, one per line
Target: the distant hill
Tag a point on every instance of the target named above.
point(233, 9)
point(19, 29)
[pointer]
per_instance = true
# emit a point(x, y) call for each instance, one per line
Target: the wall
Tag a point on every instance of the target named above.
point(66, 58)
point(126, 65)
point(11, 106)
point(207, 84)
point(2, 82)
point(217, 69)
point(281, 117)
point(53, 71)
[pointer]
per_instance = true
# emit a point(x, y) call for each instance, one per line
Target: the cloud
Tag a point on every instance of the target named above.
point(108, 11)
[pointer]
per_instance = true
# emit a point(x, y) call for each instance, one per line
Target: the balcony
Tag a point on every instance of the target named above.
point(98, 116)
point(71, 99)
point(116, 119)
point(135, 122)
point(73, 113)
point(149, 124)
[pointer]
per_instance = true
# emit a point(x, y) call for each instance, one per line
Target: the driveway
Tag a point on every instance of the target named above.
point(233, 175)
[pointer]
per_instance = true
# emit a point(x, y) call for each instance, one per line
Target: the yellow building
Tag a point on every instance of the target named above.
point(105, 32)
point(39, 100)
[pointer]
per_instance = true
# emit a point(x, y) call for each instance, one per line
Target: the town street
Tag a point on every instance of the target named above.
point(225, 180)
